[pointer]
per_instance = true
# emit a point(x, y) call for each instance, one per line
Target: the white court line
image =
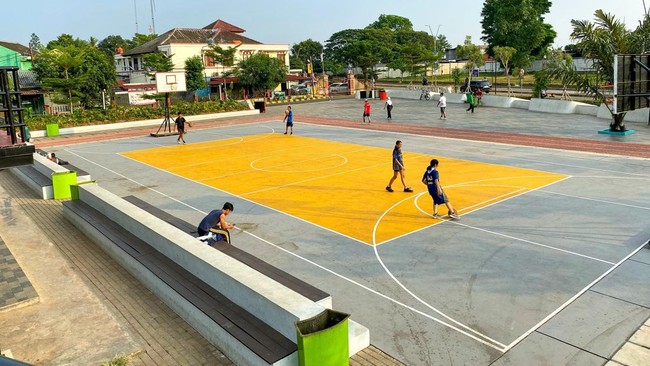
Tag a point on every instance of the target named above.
point(571, 300)
point(478, 339)
point(596, 200)
point(413, 295)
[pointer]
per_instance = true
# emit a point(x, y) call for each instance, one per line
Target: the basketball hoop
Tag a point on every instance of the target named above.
point(172, 86)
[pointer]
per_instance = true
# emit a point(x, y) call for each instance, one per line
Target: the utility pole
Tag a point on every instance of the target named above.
point(135, 10)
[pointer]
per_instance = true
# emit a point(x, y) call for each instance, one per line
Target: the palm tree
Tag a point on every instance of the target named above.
point(600, 41)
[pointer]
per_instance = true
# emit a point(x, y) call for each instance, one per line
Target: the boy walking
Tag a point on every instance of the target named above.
point(398, 168)
point(180, 127)
point(442, 103)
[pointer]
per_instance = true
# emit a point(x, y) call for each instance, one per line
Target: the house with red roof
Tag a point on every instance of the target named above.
point(183, 43)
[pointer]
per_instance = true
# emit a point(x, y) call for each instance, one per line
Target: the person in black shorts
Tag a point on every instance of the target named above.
point(215, 223)
point(398, 168)
point(180, 127)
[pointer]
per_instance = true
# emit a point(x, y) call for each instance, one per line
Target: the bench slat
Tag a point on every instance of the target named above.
point(35, 175)
point(248, 329)
point(311, 292)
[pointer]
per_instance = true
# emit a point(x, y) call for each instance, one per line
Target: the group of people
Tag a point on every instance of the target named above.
point(388, 107)
point(431, 179)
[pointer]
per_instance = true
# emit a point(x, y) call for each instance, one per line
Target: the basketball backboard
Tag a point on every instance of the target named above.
point(631, 82)
point(170, 82)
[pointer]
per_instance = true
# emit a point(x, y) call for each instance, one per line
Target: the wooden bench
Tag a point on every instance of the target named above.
point(35, 180)
point(268, 344)
point(250, 260)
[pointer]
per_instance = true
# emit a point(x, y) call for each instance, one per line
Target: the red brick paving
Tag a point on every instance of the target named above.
point(552, 142)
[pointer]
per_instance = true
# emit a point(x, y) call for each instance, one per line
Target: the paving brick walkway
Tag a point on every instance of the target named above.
point(165, 338)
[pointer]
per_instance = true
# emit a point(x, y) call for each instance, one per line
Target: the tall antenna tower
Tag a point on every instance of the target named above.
point(135, 10)
point(152, 4)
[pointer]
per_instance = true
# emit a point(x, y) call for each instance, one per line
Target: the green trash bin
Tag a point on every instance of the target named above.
point(323, 339)
point(61, 182)
point(52, 129)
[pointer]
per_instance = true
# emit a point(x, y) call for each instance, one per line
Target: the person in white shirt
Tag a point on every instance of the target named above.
point(442, 103)
point(389, 107)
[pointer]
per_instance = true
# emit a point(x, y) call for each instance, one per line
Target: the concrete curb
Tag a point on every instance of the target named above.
point(144, 123)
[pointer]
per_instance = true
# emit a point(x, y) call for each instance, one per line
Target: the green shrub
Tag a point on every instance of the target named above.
point(84, 117)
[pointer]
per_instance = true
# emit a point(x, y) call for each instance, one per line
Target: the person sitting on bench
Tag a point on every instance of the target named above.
point(214, 227)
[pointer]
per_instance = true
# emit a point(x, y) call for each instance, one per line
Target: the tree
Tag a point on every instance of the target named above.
point(599, 42)
point(261, 72)
point(110, 44)
point(222, 56)
point(412, 51)
point(560, 67)
point(98, 72)
point(306, 50)
point(140, 39)
point(472, 54)
point(393, 23)
point(158, 61)
point(194, 75)
point(363, 48)
point(518, 24)
point(457, 77)
point(504, 54)
point(63, 60)
point(34, 44)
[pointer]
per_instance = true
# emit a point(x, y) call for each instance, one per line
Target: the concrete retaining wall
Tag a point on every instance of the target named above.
point(144, 123)
point(268, 300)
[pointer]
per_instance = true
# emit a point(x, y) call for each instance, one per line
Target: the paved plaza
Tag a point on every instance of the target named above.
point(588, 330)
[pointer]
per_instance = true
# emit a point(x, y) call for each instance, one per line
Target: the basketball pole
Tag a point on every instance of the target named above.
point(166, 124)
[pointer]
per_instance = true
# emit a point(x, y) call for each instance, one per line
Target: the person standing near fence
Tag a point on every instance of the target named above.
point(389, 107)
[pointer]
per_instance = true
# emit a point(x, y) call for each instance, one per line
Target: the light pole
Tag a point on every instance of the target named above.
point(435, 50)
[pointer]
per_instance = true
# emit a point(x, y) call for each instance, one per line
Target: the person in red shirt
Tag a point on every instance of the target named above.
point(366, 112)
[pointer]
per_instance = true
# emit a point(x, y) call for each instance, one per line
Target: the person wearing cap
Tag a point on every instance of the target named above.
point(389, 107)
point(366, 112)
point(214, 227)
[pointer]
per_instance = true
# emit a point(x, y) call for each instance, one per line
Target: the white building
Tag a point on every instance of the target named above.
point(183, 43)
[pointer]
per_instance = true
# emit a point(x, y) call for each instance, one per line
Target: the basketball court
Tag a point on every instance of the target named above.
point(547, 253)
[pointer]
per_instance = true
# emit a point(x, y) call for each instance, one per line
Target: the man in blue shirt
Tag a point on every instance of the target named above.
point(288, 117)
point(215, 222)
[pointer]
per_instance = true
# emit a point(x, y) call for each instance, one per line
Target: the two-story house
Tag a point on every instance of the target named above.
point(183, 43)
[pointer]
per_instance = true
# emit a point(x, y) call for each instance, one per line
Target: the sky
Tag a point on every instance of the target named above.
point(276, 21)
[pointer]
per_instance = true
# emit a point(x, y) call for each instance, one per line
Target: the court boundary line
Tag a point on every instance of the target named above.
point(408, 307)
point(572, 299)
point(511, 344)
point(413, 295)
point(597, 200)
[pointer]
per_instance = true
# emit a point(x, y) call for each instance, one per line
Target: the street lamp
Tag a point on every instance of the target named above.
point(435, 49)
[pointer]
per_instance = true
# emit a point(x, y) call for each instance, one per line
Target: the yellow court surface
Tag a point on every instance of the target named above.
point(340, 186)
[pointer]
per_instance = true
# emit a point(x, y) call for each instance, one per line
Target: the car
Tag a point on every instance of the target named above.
point(476, 85)
point(338, 88)
point(300, 89)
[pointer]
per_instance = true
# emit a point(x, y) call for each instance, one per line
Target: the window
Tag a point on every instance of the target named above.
point(246, 54)
point(281, 55)
point(208, 61)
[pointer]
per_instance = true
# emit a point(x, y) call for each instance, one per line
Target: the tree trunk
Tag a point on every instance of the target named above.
point(618, 123)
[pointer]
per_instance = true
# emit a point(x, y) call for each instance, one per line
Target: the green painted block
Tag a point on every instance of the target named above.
point(74, 188)
point(323, 339)
point(61, 182)
point(52, 129)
